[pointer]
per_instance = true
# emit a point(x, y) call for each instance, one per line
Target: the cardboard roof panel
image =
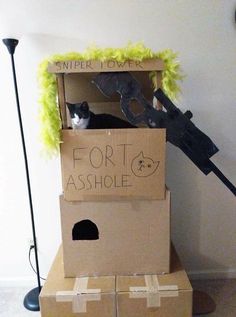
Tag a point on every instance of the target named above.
point(92, 66)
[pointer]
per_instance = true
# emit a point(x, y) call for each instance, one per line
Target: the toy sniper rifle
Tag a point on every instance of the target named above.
point(180, 130)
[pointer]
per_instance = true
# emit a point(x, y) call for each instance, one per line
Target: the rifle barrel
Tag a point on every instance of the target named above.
point(222, 177)
point(164, 100)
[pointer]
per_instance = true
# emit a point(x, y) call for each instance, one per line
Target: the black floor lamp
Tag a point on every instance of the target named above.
point(31, 300)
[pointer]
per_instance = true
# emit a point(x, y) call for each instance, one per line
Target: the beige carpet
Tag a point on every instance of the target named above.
point(11, 303)
point(224, 294)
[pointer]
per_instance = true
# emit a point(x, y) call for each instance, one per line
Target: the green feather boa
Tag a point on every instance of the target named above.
point(49, 112)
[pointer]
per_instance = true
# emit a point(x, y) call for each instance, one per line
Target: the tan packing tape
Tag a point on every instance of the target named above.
point(154, 299)
point(153, 291)
point(79, 305)
point(153, 284)
point(80, 295)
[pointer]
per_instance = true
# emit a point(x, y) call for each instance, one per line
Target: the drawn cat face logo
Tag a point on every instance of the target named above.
point(143, 166)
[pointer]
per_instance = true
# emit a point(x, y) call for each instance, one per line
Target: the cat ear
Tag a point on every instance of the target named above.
point(70, 106)
point(141, 154)
point(85, 106)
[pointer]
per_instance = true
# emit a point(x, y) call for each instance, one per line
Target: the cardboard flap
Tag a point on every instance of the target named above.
point(177, 280)
point(178, 275)
point(105, 283)
point(57, 285)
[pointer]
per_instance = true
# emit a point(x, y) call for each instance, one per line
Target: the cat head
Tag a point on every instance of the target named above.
point(143, 166)
point(79, 113)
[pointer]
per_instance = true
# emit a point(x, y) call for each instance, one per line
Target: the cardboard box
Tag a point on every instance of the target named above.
point(114, 164)
point(75, 81)
point(115, 238)
point(167, 295)
point(70, 297)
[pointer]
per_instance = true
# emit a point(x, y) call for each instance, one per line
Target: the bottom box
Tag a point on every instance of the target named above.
point(168, 295)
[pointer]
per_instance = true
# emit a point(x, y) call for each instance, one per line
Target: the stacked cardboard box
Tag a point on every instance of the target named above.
point(115, 215)
point(167, 295)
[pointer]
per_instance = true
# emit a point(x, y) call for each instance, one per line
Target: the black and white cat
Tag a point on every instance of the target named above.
point(83, 118)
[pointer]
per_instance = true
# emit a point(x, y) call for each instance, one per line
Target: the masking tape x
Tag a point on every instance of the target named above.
point(153, 291)
point(80, 295)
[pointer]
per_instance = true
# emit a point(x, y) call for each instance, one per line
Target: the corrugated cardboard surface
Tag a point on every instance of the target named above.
point(170, 296)
point(167, 305)
point(134, 237)
point(93, 66)
point(117, 299)
point(57, 298)
point(177, 277)
point(113, 164)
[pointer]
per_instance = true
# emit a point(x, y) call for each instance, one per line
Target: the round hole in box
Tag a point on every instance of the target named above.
point(85, 230)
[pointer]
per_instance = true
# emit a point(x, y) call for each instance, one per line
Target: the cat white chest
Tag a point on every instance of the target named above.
point(79, 123)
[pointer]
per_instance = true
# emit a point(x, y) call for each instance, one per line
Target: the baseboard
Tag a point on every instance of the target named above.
point(18, 282)
point(212, 274)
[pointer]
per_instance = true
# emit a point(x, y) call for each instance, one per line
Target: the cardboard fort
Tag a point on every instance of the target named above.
point(109, 164)
point(168, 295)
point(113, 164)
point(114, 238)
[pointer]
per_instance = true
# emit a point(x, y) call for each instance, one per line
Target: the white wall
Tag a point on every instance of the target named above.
point(204, 34)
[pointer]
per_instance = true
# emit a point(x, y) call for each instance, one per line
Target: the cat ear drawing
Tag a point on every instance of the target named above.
point(143, 166)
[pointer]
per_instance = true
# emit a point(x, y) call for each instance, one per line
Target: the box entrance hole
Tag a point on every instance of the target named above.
point(85, 230)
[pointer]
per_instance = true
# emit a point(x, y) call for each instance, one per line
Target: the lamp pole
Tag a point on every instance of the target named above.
point(31, 300)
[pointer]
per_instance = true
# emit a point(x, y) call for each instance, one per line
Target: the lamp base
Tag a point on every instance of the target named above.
point(31, 300)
